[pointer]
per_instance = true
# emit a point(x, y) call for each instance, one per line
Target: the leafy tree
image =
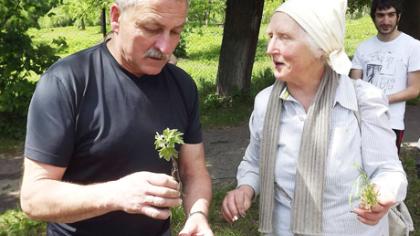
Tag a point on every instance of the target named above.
point(205, 12)
point(19, 57)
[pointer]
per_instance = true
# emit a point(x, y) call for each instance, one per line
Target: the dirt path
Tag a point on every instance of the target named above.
point(224, 149)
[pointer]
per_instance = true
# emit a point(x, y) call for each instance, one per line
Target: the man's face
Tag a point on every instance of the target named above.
point(146, 35)
point(386, 21)
point(289, 48)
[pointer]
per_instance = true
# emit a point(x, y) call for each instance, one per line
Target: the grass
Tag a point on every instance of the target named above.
point(13, 222)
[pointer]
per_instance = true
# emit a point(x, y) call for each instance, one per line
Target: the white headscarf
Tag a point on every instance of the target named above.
point(324, 21)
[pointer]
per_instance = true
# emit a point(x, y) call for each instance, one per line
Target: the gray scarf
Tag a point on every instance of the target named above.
point(307, 205)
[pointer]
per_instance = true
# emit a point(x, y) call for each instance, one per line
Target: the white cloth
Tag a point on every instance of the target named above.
point(325, 23)
point(380, 158)
point(386, 64)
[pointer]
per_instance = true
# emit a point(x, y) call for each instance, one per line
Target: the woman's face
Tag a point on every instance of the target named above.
point(289, 49)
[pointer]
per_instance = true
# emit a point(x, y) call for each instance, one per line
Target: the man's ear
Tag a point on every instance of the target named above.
point(115, 14)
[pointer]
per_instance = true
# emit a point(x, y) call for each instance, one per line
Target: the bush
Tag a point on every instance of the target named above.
point(14, 222)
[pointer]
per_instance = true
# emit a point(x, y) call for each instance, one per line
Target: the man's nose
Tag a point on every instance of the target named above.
point(163, 43)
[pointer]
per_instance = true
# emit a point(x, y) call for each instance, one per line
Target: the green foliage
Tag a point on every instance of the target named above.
point(75, 39)
point(79, 13)
point(357, 5)
point(14, 222)
point(165, 143)
point(206, 12)
point(20, 58)
point(408, 157)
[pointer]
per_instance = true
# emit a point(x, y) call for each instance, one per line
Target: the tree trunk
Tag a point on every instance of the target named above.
point(240, 36)
point(103, 22)
point(410, 23)
point(82, 24)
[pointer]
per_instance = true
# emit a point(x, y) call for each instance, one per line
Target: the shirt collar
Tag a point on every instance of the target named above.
point(346, 94)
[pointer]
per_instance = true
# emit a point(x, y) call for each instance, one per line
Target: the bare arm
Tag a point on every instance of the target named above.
point(197, 189)
point(45, 197)
point(356, 74)
point(412, 90)
point(195, 177)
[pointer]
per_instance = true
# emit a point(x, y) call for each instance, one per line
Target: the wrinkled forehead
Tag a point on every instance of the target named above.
point(282, 23)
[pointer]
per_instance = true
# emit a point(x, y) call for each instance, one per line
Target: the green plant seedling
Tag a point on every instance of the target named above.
point(165, 145)
point(365, 190)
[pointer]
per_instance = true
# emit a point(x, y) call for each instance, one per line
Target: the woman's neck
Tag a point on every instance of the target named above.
point(305, 91)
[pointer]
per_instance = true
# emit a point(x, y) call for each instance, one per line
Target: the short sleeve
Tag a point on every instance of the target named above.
point(50, 125)
point(193, 133)
point(414, 59)
point(356, 61)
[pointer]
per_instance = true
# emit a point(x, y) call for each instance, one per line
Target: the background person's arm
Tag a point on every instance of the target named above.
point(412, 90)
point(45, 197)
point(356, 74)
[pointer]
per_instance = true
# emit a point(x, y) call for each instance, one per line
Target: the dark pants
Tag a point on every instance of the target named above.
point(398, 141)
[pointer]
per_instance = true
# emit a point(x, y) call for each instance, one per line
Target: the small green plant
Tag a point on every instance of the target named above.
point(165, 145)
point(365, 190)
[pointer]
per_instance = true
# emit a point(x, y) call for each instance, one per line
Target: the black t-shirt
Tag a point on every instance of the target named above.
point(93, 117)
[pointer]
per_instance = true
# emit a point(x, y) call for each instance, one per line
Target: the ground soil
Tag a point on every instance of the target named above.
point(224, 149)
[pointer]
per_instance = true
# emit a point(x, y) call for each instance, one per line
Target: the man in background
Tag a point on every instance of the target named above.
point(391, 61)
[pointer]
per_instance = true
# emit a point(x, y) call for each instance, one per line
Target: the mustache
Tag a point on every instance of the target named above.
point(156, 54)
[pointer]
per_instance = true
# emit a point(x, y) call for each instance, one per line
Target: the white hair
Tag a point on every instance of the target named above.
point(124, 4)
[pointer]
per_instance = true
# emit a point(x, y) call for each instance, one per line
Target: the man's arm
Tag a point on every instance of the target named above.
point(356, 73)
point(45, 197)
point(197, 189)
point(412, 90)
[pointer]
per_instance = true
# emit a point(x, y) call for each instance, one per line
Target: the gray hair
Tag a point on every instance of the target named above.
point(124, 4)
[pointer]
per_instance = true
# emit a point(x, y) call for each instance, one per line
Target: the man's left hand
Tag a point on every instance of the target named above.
point(196, 225)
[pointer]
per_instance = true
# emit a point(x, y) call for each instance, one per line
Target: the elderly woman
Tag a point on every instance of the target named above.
point(311, 129)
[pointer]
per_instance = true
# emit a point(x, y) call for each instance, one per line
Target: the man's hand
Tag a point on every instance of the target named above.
point(196, 225)
point(372, 217)
point(146, 193)
point(236, 203)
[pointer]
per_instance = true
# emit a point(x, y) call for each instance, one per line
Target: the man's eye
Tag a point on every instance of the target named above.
point(151, 30)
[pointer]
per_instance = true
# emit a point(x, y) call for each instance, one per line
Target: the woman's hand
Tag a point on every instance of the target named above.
point(373, 216)
point(237, 202)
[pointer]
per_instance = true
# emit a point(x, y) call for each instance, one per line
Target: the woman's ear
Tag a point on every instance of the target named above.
point(115, 14)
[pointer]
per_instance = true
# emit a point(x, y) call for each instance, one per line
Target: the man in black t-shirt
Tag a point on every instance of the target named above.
point(90, 166)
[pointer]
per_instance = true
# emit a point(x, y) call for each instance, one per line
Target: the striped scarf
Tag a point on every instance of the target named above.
point(307, 205)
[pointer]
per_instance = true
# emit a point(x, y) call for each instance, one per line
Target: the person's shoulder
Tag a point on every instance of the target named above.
point(367, 43)
point(261, 100)
point(178, 74)
point(264, 94)
point(74, 62)
point(410, 42)
point(176, 71)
